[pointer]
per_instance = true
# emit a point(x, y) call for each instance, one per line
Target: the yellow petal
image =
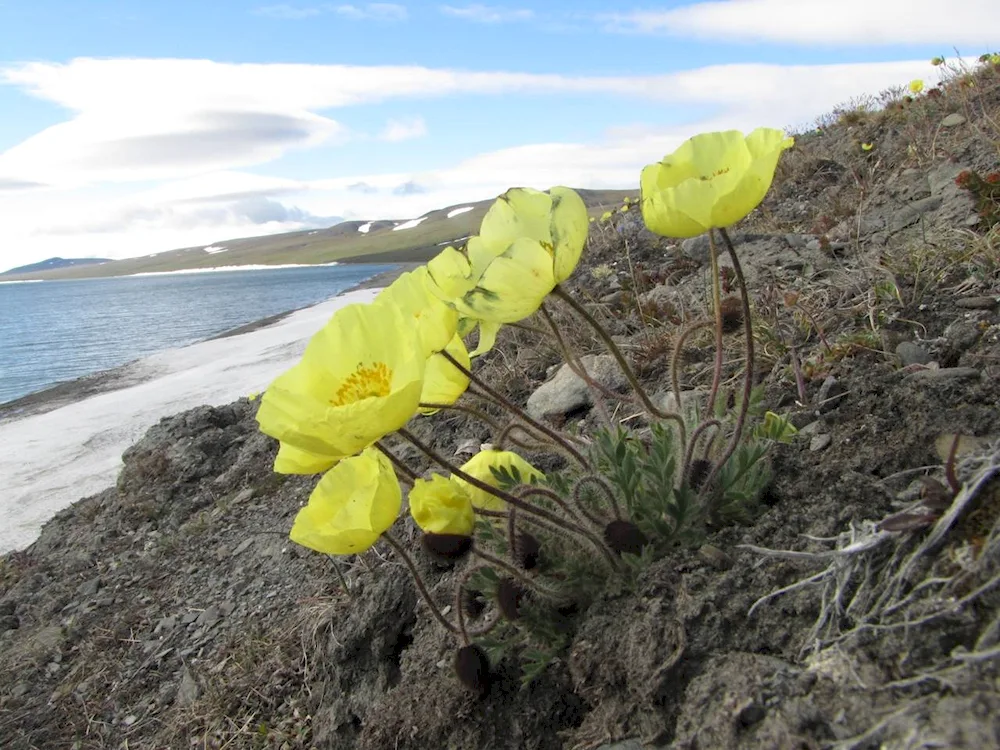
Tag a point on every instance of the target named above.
point(569, 231)
point(353, 504)
point(292, 460)
point(441, 506)
point(479, 467)
point(449, 275)
point(487, 337)
point(443, 382)
point(410, 293)
point(513, 286)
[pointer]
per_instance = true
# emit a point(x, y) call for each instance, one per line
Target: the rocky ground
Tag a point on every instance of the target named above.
point(171, 611)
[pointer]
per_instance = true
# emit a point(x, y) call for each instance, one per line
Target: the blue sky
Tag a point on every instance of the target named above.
point(131, 127)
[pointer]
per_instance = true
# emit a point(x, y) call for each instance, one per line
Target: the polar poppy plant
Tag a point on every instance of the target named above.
point(353, 504)
point(359, 379)
point(711, 180)
point(480, 467)
point(529, 241)
point(443, 382)
point(410, 294)
point(442, 506)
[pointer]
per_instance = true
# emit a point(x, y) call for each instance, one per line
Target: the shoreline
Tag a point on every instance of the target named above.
point(67, 392)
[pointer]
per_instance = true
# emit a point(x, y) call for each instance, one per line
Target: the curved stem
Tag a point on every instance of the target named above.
point(675, 380)
point(512, 500)
point(401, 467)
point(421, 586)
point(576, 365)
point(505, 434)
point(717, 307)
point(734, 439)
point(619, 358)
point(603, 484)
point(478, 414)
point(518, 411)
point(689, 453)
point(513, 572)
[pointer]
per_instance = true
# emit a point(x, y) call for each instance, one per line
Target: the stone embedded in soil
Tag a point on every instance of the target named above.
point(567, 391)
point(189, 691)
point(953, 120)
point(830, 395)
point(912, 354)
point(911, 213)
point(944, 373)
point(89, 588)
point(820, 442)
point(962, 334)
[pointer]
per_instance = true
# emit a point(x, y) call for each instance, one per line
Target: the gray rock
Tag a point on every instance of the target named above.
point(977, 303)
point(661, 296)
point(912, 354)
point(696, 248)
point(962, 334)
point(797, 241)
point(942, 178)
point(830, 394)
point(89, 588)
point(623, 745)
point(911, 213)
point(165, 624)
point(953, 120)
point(820, 442)
point(209, 617)
point(566, 391)
point(188, 692)
point(8, 608)
point(243, 546)
point(944, 373)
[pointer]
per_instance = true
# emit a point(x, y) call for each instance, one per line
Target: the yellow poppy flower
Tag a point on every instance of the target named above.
point(360, 378)
point(442, 506)
point(606, 216)
point(711, 180)
point(916, 86)
point(353, 504)
point(479, 467)
point(529, 242)
point(410, 293)
point(867, 146)
point(443, 382)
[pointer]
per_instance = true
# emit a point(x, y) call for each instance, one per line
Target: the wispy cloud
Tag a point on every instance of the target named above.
point(363, 12)
point(487, 13)
point(373, 12)
point(404, 130)
point(287, 12)
point(889, 22)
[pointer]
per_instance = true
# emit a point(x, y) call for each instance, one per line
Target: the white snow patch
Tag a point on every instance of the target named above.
point(213, 249)
point(364, 228)
point(454, 242)
point(49, 461)
point(457, 211)
point(408, 224)
point(217, 269)
point(24, 281)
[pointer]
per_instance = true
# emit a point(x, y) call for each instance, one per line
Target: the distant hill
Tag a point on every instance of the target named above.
point(54, 263)
point(376, 241)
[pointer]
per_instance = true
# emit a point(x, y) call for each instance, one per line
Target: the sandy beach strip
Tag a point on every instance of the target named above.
point(65, 442)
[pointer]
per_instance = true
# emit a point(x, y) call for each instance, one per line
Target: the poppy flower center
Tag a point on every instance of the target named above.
point(366, 381)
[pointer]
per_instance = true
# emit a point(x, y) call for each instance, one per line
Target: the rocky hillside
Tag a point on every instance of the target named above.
point(851, 608)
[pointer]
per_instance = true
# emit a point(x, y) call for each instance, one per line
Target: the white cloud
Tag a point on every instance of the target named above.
point(488, 13)
point(206, 197)
point(404, 130)
point(373, 12)
point(889, 22)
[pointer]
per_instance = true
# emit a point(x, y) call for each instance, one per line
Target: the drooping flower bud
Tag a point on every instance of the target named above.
point(473, 668)
point(625, 537)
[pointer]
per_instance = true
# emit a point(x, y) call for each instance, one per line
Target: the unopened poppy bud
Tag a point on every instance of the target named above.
point(509, 596)
point(731, 312)
point(473, 668)
point(526, 551)
point(698, 473)
point(625, 537)
point(447, 546)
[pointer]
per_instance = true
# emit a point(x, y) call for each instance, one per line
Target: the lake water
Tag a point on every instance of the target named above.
point(54, 331)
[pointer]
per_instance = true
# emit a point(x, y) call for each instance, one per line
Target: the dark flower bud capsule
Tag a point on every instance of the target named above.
point(509, 596)
point(731, 312)
point(625, 537)
point(473, 668)
point(447, 546)
point(526, 551)
point(698, 473)
point(473, 603)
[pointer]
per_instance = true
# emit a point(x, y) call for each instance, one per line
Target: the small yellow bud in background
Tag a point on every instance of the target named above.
point(937, 61)
point(867, 146)
point(916, 86)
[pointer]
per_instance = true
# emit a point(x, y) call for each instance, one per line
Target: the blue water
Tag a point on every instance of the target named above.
point(54, 331)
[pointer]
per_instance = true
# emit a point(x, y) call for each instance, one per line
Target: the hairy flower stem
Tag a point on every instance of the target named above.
point(519, 412)
point(800, 382)
point(401, 467)
point(483, 416)
point(689, 453)
point(421, 586)
point(513, 572)
point(717, 305)
point(576, 365)
point(465, 631)
point(505, 435)
point(580, 514)
point(675, 359)
point(512, 500)
point(599, 481)
point(741, 417)
point(620, 359)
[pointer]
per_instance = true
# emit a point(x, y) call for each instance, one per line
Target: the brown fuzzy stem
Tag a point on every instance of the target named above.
point(734, 440)
point(513, 572)
point(421, 586)
point(518, 411)
point(401, 467)
point(615, 352)
point(689, 453)
point(717, 305)
point(675, 358)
